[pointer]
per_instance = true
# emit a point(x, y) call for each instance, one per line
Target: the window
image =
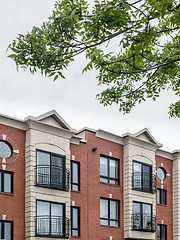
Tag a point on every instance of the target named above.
point(6, 181)
point(161, 196)
point(109, 212)
point(75, 176)
point(6, 230)
point(109, 170)
point(161, 173)
point(75, 221)
point(50, 219)
point(5, 149)
point(51, 171)
point(142, 177)
point(161, 232)
point(142, 217)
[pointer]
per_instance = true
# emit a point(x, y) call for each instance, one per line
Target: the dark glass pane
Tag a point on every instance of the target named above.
point(114, 223)
point(147, 216)
point(104, 208)
point(103, 166)
point(7, 231)
point(75, 217)
point(158, 232)
point(137, 176)
point(114, 210)
point(113, 182)
point(158, 196)
point(5, 150)
point(75, 187)
point(43, 208)
point(43, 158)
point(113, 168)
point(136, 216)
point(163, 197)
point(146, 177)
point(75, 233)
point(104, 180)
point(43, 168)
point(75, 172)
point(104, 222)
point(57, 161)
point(7, 183)
point(163, 232)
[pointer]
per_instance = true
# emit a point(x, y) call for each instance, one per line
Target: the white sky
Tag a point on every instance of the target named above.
point(23, 94)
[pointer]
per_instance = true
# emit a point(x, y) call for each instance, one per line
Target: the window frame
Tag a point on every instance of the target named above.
point(64, 221)
point(142, 189)
point(50, 167)
point(109, 219)
point(161, 191)
point(2, 228)
point(141, 217)
point(108, 167)
point(72, 228)
point(72, 183)
point(3, 181)
point(161, 226)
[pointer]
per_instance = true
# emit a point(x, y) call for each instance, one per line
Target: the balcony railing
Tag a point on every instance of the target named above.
point(144, 182)
point(52, 177)
point(52, 226)
point(144, 222)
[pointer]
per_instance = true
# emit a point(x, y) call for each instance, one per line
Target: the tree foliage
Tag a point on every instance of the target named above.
point(145, 34)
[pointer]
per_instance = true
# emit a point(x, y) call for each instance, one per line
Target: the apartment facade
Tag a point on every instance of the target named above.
point(56, 182)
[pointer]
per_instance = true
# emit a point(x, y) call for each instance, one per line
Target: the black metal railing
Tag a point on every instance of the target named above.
point(54, 226)
point(144, 222)
point(52, 177)
point(145, 182)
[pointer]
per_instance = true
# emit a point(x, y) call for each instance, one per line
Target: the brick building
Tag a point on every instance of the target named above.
point(56, 182)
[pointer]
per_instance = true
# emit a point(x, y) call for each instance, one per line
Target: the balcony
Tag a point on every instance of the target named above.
point(52, 177)
point(145, 182)
point(145, 222)
point(57, 227)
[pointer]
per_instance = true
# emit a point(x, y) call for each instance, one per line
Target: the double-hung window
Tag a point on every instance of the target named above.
point(6, 230)
point(109, 212)
point(109, 170)
point(6, 181)
point(142, 177)
point(142, 217)
point(50, 219)
point(75, 176)
point(161, 197)
point(161, 232)
point(75, 221)
point(51, 171)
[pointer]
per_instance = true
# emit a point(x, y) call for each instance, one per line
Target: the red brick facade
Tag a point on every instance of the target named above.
point(165, 212)
point(91, 190)
point(13, 205)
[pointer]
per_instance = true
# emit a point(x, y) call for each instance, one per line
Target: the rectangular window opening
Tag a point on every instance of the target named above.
point(6, 181)
point(75, 221)
point(109, 170)
point(75, 176)
point(161, 196)
point(109, 212)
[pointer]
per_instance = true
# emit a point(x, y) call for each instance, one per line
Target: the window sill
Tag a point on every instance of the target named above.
point(110, 226)
point(161, 205)
point(110, 184)
point(76, 237)
point(52, 188)
point(74, 191)
point(8, 194)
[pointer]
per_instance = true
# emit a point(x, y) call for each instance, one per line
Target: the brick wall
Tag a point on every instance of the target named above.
point(91, 190)
point(165, 212)
point(13, 205)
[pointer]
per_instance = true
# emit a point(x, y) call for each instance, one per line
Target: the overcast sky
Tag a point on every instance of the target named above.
point(23, 94)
